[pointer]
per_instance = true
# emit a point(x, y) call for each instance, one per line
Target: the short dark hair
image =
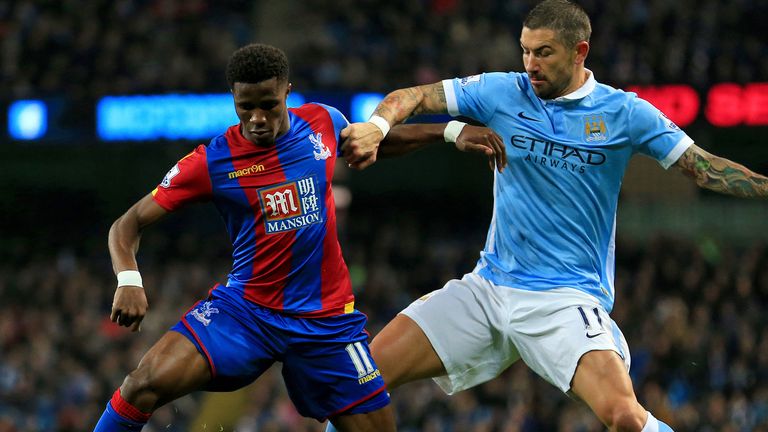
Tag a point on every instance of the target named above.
point(567, 19)
point(255, 63)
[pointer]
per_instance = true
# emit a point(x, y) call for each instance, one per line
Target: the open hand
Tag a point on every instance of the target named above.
point(483, 140)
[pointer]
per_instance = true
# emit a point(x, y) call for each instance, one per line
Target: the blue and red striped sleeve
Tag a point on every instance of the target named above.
point(187, 181)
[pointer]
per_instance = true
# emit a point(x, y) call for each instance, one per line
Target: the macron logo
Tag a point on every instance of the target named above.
point(253, 169)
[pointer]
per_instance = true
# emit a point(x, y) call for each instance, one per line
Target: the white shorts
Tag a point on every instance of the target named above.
point(479, 329)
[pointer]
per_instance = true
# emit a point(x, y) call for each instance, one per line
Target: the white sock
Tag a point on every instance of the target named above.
point(651, 425)
point(654, 425)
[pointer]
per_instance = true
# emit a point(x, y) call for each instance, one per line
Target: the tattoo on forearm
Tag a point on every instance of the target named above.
point(722, 175)
point(388, 106)
point(435, 95)
point(401, 104)
point(702, 165)
point(413, 97)
point(398, 105)
point(434, 99)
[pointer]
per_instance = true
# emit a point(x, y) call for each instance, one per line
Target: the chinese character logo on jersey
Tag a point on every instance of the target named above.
point(321, 151)
point(291, 205)
point(594, 128)
point(173, 172)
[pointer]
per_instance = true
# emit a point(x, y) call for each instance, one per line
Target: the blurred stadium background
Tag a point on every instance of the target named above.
point(692, 267)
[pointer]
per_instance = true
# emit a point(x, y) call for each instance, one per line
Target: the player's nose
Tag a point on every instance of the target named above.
point(258, 117)
point(531, 65)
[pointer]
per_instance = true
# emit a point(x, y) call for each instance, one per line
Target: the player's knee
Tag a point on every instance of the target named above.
point(139, 390)
point(625, 417)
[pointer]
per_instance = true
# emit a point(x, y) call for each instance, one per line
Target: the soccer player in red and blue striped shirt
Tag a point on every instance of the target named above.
point(288, 297)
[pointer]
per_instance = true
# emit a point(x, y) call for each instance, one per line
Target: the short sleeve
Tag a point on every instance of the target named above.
point(339, 123)
point(475, 96)
point(185, 182)
point(654, 134)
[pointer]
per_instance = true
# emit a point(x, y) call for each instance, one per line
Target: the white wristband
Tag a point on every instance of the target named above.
point(381, 123)
point(452, 130)
point(129, 278)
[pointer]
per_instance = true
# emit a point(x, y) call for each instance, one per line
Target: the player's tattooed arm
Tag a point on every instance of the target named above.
point(360, 141)
point(722, 175)
point(403, 103)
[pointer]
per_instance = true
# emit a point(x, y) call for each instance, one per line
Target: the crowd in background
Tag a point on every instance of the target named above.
point(89, 49)
point(693, 315)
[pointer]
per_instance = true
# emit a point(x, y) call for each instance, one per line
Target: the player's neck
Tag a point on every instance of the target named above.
point(580, 76)
point(285, 126)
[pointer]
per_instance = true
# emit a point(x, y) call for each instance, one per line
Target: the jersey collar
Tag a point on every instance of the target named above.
point(581, 92)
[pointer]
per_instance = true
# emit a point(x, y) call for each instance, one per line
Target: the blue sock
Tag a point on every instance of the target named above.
point(330, 428)
point(111, 421)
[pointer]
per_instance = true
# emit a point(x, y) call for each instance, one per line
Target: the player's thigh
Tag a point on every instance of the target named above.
point(170, 369)
point(602, 382)
point(237, 344)
point(381, 420)
point(464, 323)
point(404, 354)
point(554, 329)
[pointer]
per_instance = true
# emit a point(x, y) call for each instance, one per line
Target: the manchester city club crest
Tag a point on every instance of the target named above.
point(594, 128)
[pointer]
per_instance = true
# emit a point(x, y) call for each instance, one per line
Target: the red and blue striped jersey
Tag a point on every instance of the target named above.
point(279, 211)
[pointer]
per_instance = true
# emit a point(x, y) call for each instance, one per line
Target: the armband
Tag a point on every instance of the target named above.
point(129, 278)
point(453, 130)
point(381, 123)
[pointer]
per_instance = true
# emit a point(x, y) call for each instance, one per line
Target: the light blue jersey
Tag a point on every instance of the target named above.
point(554, 214)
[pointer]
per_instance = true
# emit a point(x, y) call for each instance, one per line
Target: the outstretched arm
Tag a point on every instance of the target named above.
point(721, 175)
point(362, 139)
point(403, 139)
point(130, 303)
point(401, 104)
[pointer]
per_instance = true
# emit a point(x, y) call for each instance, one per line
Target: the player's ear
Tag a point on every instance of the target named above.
point(288, 89)
point(582, 49)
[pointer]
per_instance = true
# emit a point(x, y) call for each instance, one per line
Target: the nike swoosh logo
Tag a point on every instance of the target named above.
point(594, 335)
point(522, 115)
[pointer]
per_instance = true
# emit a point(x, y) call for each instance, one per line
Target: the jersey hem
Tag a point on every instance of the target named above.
point(195, 339)
point(332, 311)
point(595, 293)
point(358, 402)
point(676, 152)
point(164, 205)
point(450, 98)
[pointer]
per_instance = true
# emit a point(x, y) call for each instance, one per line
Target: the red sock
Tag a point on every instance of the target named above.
point(125, 409)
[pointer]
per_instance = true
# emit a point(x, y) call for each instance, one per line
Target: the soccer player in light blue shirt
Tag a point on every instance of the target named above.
point(543, 286)
point(577, 146)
